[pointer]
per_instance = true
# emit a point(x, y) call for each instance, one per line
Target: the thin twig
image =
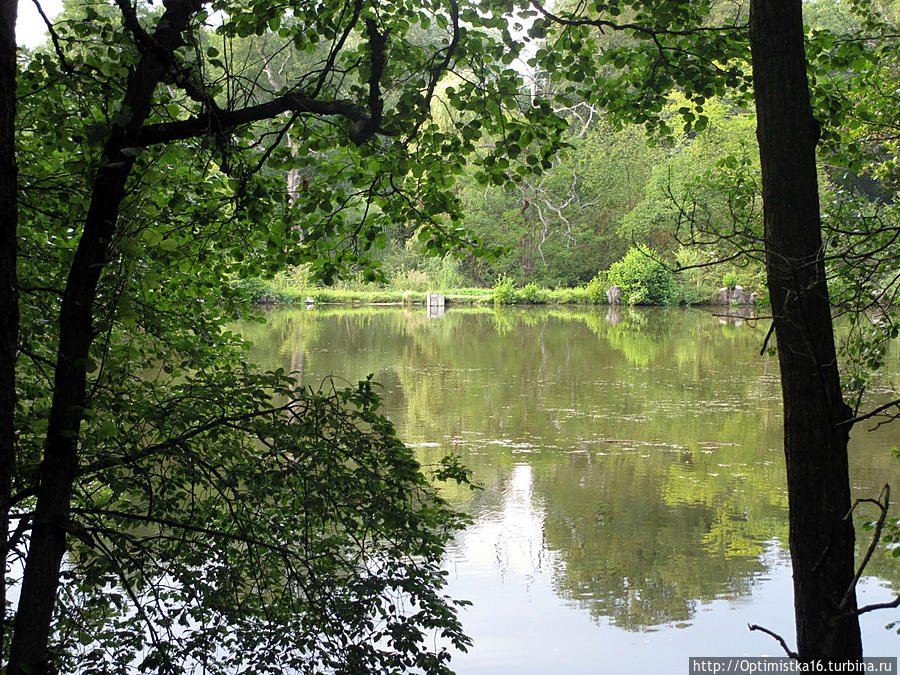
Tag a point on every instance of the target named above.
point(879, 605)
point(765, 343)
point(883, 501)
point(793, 655)
point(873, 413)
point(66, 66)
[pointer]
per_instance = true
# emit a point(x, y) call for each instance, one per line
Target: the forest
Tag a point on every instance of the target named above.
point(171, 507)
point(614, 188)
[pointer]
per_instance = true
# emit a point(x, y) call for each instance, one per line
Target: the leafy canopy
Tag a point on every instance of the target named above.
point(165, 151)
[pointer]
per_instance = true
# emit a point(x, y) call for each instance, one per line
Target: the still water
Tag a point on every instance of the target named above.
point(634, 507)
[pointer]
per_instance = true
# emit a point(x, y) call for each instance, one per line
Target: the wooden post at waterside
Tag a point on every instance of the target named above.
point(435, 304)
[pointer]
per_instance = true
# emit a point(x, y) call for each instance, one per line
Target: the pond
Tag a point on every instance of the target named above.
point(634, 509)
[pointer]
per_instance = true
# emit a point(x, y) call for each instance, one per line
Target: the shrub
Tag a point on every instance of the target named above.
point(563, 296)
point(643, 280)
point(250, 290)
point(292, 280)
point(596, 290)
point(504, 291)
point(533, 294)
point(730, 279)
point(700, 282)
point(444, 272)
point(410, 280)
point(570, 296)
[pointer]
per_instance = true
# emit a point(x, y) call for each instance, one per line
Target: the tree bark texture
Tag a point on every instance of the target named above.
point(815, 436)
point(9, 301)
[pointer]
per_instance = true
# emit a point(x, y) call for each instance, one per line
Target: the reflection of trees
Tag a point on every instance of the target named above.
point(744, 495)
point(639, 346)
point(504, 321)
point(653, 441)
point(637, 551)
point(281, 342)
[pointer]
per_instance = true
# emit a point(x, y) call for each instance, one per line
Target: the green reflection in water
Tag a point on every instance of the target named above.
point(651, 437)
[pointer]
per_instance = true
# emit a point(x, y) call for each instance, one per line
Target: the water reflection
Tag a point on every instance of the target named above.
point(631, 464)
point(507, 540)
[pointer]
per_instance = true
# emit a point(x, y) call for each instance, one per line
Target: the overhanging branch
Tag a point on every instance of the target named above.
point(215, 121)
point(223, 121)
point(653, 32)
point(787, 650)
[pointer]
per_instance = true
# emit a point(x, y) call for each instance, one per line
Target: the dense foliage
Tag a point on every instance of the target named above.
point(186, 499)
point(173, 507)
point(696, 184)
point(298, 537)
point(642, 278)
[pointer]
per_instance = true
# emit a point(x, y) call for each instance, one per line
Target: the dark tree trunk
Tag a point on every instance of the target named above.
point(815, 436)
point(9, 301)
point(32, 629)
point(29, 651)
point(59, 468)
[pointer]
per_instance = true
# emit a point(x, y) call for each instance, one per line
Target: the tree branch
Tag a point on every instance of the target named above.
point(787, 650)
point(179, 74)
point(16, 536)
point(879, 605)
point(884, 499)
point(653, 33)
point(108, 462)
point(187, 527)
point(66, 66)
point(768, 337)
point(880, 409)
point(338, 45)
point(222, 121)
point(367, 126)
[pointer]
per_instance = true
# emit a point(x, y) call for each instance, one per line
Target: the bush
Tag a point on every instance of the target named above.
point(730, 279)
point(410, 280)
point(504, 291)
point(292, 280)
point(533, 294)
point(643, 280)
point(699, 283)
point(251, 290)
point(570, 296)
point(444, 272)
point(596, 289)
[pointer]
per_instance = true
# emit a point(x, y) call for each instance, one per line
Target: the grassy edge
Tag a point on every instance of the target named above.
point(264, 294)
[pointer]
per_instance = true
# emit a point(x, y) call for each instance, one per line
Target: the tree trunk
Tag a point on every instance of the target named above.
point(815, 440)
point(9, 301)
point(29, 651)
